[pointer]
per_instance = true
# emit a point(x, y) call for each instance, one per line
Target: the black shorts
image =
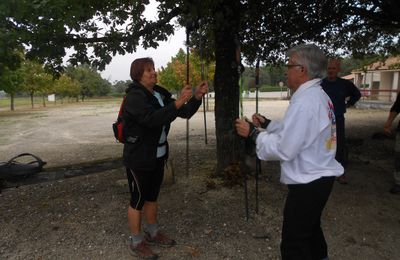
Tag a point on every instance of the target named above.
point(145, 185)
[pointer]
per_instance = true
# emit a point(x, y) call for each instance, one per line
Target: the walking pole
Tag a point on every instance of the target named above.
point(258, 162)
point(239, 68)
point(187, 82)
point(207, 97)
point(202, 79)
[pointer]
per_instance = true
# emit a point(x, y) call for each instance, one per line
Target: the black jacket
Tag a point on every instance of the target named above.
point(338, 91)
point(144, 119)
point(396, 108)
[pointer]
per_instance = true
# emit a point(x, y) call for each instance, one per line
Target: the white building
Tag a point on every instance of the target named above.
point(379, 80)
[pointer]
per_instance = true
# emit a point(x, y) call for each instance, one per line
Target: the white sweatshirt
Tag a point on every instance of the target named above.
point(305, 141)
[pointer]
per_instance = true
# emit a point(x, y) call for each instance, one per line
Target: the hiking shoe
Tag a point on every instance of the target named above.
point(395, 189)
point(159, 239)
point(143, 251)
point(342, 179)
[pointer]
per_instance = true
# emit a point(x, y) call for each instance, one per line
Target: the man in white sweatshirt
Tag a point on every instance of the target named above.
point(305, 144)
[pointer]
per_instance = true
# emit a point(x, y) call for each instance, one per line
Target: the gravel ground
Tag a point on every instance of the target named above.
point(85, 217)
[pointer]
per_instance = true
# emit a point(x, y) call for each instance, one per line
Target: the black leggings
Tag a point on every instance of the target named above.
point(145, 185)
point(302, 236)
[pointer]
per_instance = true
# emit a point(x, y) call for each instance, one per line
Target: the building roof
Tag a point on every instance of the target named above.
point(348, 77)
point(391, 63)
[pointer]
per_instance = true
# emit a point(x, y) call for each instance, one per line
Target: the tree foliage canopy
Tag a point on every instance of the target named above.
point(97, 30)
point(173, 75)
point(66, 87)
point(90, 81)
point(120, 86)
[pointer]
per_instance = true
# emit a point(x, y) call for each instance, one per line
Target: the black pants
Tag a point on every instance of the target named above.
point(302, 236)
point(397, 158)
point(341, 141)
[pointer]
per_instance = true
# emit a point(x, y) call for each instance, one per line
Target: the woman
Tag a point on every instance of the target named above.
point(148, 112)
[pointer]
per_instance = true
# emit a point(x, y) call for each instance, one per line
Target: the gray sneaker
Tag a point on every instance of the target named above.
point(159, 239)
point(142, 250)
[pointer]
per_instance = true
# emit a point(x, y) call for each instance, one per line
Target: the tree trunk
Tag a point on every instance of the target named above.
point(44, 100)
point(226, 84)
point(12, 101)
point(31, 94)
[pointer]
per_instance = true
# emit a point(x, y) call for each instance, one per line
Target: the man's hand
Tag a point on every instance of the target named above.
point(258, 120)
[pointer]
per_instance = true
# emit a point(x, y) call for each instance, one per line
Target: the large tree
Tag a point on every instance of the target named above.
point(12, 82)
point(120, 86)
point(91, 82)
point(97, 30)
point(64, 86)
point(35, 78)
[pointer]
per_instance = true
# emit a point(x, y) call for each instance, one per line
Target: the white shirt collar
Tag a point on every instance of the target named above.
point(306, 85)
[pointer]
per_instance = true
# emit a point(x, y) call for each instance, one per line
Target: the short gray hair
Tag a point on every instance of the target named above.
point(312, 58)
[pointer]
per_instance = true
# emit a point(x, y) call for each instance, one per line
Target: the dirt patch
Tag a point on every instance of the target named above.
point(85, 217)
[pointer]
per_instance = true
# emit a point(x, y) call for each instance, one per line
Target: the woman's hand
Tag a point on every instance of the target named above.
point(242, 127)
point(186, 94)
point(201, 90)
point(387, 128)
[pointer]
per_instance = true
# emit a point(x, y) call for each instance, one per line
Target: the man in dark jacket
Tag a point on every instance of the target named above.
point(343, 94)
point(394, 111)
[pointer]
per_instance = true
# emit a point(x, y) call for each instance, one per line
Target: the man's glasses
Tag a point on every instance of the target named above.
point(292, 65)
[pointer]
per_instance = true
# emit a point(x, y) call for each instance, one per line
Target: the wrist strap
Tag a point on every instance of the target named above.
point(266, 122)
point(254, 132)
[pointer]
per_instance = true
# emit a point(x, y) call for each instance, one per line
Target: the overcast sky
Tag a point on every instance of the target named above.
point(119, 68)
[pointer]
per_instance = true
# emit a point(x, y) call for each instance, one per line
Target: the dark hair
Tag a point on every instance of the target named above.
point(138, 66)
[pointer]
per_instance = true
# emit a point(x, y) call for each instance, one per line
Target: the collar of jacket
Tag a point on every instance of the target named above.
point(157, 88)
point(308, 84)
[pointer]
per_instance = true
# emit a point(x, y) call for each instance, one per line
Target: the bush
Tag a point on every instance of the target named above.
point(266, 88)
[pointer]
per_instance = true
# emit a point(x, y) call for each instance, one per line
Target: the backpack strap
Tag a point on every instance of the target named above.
point(118, 125)
point(38, 160)
point(121, 109)
point(14, 170)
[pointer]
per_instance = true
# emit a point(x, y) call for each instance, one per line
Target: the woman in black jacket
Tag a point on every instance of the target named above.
point(148, 112)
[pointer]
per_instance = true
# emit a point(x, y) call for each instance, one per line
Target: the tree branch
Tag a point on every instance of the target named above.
point(127, 36)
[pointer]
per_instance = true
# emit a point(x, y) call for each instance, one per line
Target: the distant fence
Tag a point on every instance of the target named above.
point(385, 95)
point(284, 94)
